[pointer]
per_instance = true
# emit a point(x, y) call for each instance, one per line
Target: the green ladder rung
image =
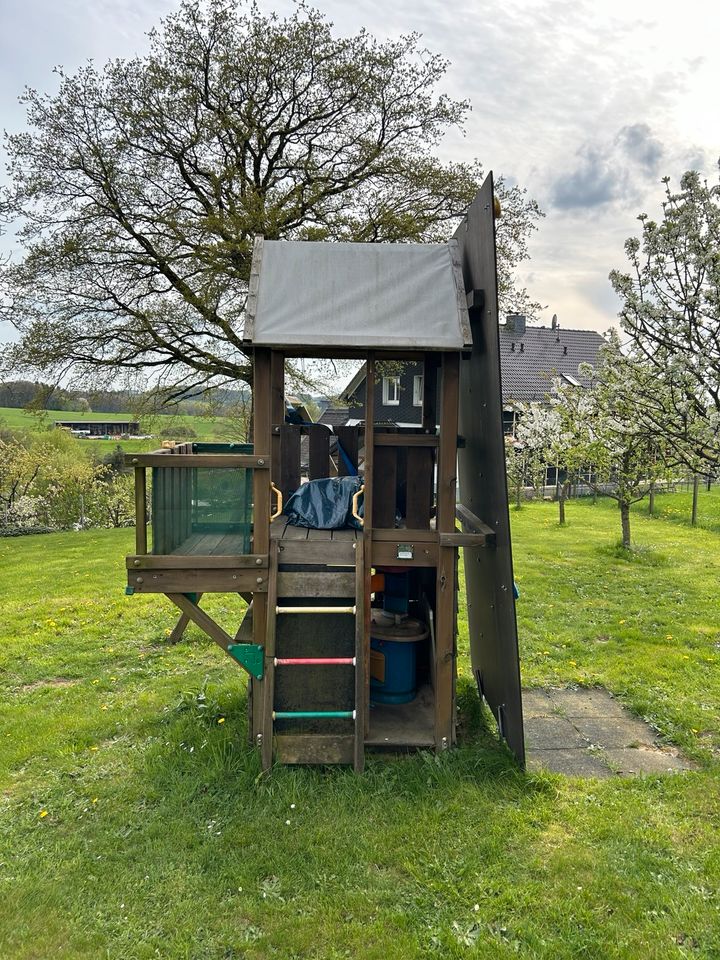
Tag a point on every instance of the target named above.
point(313, 714)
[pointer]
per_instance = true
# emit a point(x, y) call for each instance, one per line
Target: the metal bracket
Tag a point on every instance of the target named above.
point(250, 656)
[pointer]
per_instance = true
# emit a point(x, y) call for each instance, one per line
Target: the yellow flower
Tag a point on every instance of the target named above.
point(93, 748)
point(43, 813)
point(104, 707)
point(621, 621)
point(572, 663)
point(95, 799)
point(221, 720)
point(669, 637)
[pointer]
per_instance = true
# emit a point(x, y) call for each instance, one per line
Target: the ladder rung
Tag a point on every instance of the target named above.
point(313, 661)
point(313, 714)
point(351, 610)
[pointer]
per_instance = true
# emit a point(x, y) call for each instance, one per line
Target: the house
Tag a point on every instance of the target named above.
point(100, 428)
point(530, 357)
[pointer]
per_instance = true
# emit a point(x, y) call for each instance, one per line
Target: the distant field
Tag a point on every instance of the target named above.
point(206, 428)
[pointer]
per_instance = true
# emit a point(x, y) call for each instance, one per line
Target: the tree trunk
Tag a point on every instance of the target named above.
point(696, 488)
point(562, 497)
point(625, 520)
point(651, 506)
point(518, 494)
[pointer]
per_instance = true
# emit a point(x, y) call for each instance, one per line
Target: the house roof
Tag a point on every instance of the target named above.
point(379, 296)
point(334, 416)
point(529, 361)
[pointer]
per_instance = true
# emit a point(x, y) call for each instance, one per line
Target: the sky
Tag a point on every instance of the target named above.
point(586, 104)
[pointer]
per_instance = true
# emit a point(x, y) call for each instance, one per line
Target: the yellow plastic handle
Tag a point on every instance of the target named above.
point(355, 499)
point(278, 511)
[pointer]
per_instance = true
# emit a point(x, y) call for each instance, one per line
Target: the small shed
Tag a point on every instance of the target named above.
point(350, 636)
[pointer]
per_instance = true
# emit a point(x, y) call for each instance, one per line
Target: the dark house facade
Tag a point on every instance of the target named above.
point(530, 357)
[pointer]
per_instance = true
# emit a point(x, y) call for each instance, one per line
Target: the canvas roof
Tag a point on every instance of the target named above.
point(379, 296)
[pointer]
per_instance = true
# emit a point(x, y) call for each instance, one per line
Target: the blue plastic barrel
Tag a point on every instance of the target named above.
point(393, 658)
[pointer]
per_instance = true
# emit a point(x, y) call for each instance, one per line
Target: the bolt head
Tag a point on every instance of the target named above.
point(138, 580)
point(259, 580)
point(258, 562)
point(136, 563)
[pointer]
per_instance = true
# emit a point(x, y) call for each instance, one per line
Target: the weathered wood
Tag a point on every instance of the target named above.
point(385, 553)
point(310, 584)
point(418, 497)
point(406, 535)
point(405, 440)
point(348, 439)
point(368, 557)
point(330, 552)
point(319, 451)
point(463, 540)
point(362, 656)
point(262, 440)
point(193, 580)
point(315, 748)
point(277, 410)
point(140, 511)
point(444, 667)
point(429, 409)
point(181, 562)
point(218, 460)
point(473, 524)
point(289, 459)
point(385, 484)
point(199, 617)
point(268, 684)
point(483, 484)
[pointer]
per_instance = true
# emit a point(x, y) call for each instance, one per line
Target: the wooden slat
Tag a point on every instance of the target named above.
point(473, 524)
point(348, 439)
point(385, 484)
point(315, 748)
point(295, 533)
point(228, 460)
point(289, 459)
point(362, 656)
point(330, 552)
point(444, 667)
point(420, 470)
point(268, 683)
point(429, 411)
point(405, 440)
point(140, 511)
point(313, 584)
point(385, 554)
point(198, 616)
point(194, 580)
point(180, 561)
point(463, 540)
point(262, 440)
point(277, 410)
point(367, 556)
point(319, 451)
point(406, 535)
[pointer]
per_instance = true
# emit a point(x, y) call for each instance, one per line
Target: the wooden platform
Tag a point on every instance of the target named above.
point(404, 724)
point(212, 545)
point(280, 529)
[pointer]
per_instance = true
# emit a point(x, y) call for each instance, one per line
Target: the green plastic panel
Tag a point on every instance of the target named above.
point(250, 656)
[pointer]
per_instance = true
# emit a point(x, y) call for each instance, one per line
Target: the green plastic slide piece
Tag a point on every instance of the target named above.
point(250, 656)
point(129, 591)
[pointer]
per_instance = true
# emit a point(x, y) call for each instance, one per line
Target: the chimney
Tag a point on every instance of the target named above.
point(515, 323)
point(555, 323)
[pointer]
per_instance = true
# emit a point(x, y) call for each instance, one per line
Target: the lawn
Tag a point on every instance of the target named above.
point(206, 428)
point(136, 823)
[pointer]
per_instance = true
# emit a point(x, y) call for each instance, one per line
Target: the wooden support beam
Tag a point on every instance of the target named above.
point(194, 460)
point(268, 683)
point(199, 617)
point(262, 434)
point(367, 549)
point(444, 667)
point(473, 524)
point(140, 511)
point(250, 561)
point(180, 627)
point(277, 410)
point(405, 440)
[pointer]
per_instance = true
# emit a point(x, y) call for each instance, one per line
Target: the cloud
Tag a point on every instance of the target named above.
point(616, 170)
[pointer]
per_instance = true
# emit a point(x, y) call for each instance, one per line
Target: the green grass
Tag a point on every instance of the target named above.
point(206, 428)
point(162, 839)
point(677, 507)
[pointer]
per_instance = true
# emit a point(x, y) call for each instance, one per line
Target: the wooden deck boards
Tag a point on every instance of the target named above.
point(211, 545)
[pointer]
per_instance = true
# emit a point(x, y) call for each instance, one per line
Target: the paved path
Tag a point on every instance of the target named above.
point(587, 733)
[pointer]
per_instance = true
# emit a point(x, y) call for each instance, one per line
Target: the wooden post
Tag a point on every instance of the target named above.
point(140, 512)
point(268, 683)
point(277, 412)
point(366, 558)
point(262, 431)
point(444, 666)
point(361, 644)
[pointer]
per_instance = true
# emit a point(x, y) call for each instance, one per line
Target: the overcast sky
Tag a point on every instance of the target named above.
point(587, 104)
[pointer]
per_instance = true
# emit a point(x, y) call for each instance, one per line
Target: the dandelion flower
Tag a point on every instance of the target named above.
point(43, 813)
point(221, 720)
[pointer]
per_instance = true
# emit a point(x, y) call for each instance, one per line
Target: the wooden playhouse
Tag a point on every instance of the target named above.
point(350, 634)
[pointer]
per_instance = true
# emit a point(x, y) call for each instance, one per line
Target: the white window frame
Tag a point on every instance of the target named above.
point(388, 383)
point(418, 390)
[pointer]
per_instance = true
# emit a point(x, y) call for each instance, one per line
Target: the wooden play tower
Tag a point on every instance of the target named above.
point(315, 594)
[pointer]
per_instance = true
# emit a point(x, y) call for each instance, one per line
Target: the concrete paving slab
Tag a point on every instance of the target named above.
point(587, 703)
point(537, 703)
point(643, 760)
point(615, 733)
point(552, 733)
point(573, 763)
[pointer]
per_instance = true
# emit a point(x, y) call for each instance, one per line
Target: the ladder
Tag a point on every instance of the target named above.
point(315, 748)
